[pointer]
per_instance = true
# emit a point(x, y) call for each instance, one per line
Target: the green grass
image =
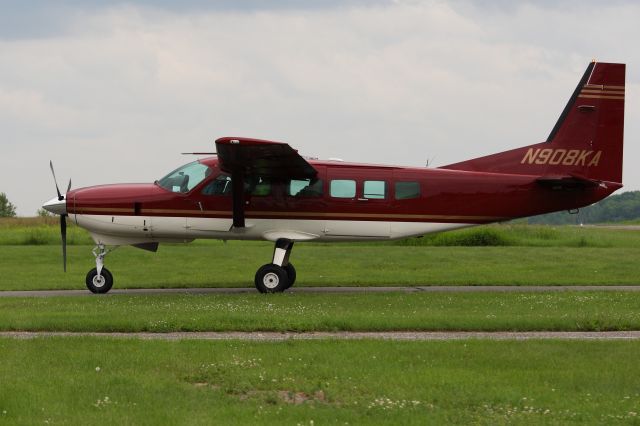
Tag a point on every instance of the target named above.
point(39, 231)
point(101, 380)
point(570, 311)
point(530, 236)
point(104, 381)
point(234, 265)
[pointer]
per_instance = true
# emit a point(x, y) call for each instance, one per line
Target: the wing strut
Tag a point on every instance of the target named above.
point(237, 192)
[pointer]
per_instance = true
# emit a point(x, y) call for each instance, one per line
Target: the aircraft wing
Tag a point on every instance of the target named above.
point(262, 158)
point(244, 158)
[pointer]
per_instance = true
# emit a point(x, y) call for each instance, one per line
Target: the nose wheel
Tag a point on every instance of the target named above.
point(279, 275)
point(99, 283)
point(99, 279)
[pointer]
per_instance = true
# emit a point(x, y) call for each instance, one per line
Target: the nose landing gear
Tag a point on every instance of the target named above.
point(99, 279)
point(279, 275)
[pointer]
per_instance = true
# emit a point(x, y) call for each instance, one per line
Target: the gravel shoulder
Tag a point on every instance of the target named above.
point(344, 335)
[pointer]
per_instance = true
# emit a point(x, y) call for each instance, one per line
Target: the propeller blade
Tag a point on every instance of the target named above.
point(60, 197)
point(63, 233)
point(69, 186)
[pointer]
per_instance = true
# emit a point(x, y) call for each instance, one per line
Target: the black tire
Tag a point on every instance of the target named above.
point(291, 273)
point(99, 286)
point(271, 278)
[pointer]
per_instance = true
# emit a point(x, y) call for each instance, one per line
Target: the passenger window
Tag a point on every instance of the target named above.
point(258, 186)
point(375, 189)
point(343, 188)
point(407, 190)
point(219, 186)
point(305, 188)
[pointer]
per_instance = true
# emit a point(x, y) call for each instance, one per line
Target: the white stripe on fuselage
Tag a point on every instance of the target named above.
point(120, 230)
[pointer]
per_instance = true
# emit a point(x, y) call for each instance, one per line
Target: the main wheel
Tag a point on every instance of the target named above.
point(291, 273)
point(99, 284)
point(271, 278)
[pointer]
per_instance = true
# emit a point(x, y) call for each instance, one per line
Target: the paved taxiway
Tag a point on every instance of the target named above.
point(416, 289)
point(342, 335)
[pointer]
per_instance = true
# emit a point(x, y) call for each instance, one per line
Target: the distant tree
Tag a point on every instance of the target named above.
point(44, 213)
point(6, 208)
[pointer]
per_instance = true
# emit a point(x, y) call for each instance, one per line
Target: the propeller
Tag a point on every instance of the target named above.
point(53, 172)
point(63, 218)
point(63, 234)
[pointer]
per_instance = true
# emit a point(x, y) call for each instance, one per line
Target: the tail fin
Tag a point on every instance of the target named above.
point(586, 141)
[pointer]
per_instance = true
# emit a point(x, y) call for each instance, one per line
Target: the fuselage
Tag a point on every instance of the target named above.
point(346, 201)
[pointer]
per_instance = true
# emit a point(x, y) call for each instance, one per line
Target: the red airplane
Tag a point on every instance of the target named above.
point(261, 190)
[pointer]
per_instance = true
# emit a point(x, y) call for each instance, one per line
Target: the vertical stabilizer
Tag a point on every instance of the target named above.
point(586, 141)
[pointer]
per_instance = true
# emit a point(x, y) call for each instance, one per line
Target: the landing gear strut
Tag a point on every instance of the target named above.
point(279, 275)
point(99, 279)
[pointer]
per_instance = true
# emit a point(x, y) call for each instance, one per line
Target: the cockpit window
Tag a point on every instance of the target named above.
point(219, 186)
point(185, 178)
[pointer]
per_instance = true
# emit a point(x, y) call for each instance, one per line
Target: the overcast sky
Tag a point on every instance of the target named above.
point(114, 91)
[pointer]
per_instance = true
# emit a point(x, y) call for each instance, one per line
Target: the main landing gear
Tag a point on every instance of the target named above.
point(99, 279)
point(279, 275)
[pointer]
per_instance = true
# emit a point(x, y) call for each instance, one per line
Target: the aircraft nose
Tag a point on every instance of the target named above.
point(56, 206)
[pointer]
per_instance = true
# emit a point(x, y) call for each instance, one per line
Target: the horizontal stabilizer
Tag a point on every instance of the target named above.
point(567, 182)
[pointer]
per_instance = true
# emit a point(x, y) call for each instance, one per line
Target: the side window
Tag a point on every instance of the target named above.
point(375, 189)
point(343, 188)
point(222, 186)
point(258, 186)
point(219, 186)
point(407, 190)
point(305, 188)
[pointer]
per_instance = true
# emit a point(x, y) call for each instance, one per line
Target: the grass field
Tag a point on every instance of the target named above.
point(98, 381)
point(234, 265)
point(30, 258)
point(79, 380)
point(569, 311)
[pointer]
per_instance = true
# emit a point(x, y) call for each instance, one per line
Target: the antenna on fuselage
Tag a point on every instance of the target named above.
point(430, 161)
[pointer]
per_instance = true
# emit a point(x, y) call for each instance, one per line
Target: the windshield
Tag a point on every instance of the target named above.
point(185, 178)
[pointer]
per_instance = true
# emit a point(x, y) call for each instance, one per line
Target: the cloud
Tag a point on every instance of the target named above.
point(116, 91)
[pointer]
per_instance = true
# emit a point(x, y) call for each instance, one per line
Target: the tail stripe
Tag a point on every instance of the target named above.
point(594, 91)
point(620, 98)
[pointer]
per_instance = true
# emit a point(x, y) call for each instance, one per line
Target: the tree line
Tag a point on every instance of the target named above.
point(616, 208)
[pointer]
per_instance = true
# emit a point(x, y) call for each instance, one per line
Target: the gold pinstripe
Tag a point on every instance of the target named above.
point(258, 214)
point(621, 98)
